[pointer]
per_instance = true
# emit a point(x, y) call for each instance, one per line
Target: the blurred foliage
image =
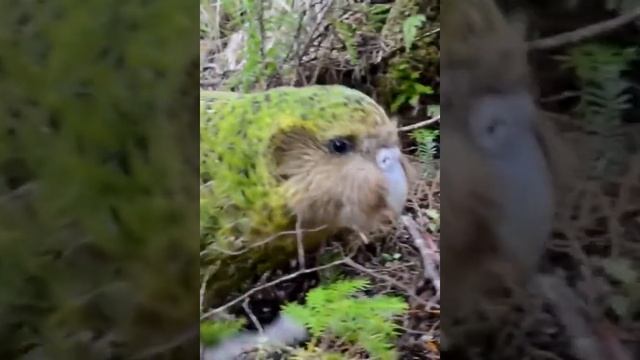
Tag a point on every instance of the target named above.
point(98, 180)
point(625, 300)
point(621, 5)
point(604, 96)
point(604, 93)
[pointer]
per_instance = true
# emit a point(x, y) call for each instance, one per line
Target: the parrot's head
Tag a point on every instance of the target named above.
point(337, 158)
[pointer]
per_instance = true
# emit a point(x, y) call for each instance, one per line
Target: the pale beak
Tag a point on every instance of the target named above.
point(389, 162)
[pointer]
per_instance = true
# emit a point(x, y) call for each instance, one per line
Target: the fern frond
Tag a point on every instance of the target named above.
point(426, 142)
point(334, 310)
point(604, 96)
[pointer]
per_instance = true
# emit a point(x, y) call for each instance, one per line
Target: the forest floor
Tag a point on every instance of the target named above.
point(402, 259)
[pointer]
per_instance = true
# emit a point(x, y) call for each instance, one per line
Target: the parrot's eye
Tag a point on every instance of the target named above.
point(340, 145)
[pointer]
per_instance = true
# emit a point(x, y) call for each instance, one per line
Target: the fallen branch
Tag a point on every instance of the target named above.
point(411, 293)
point(420, 124)
point(584, 33)
point(429, 256)
point(589, 340)
point(269, 284)
point(296, 232)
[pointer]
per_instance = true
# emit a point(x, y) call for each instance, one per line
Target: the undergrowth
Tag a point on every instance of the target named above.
point(603, 98)
point(254, 45)
point(426, 142)
point(335, 312)
point(603, 89)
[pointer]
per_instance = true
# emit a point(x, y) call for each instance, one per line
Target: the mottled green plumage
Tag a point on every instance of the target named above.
point(242, 202)
point(235, 134)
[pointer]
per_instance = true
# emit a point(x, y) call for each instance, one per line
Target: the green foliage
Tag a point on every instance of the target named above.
point(408, 88)
point(599, 70)
point(287, 42)
point(268, 29)
point(626, 301)
point(334, 311)
point(255, 66)
point(378, 14)
point(410, 29)
point(97, 179)
point(347, 33)
point(221, 18)
point(212, 332)
point(603, 98)
point(425, 138)
point(409, 74)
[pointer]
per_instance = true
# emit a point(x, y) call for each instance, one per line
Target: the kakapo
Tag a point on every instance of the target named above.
point(319, 157)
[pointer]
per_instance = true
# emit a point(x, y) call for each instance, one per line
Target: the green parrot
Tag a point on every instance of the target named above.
point(289, 161)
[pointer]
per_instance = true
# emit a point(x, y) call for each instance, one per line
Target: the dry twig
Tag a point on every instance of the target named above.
point(430, 258)
point(584, 33)
point(428, 305)
point(270, 284)
point(260, 243)
point(420, 124)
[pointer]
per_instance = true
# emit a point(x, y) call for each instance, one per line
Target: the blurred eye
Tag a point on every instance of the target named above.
point(340, 146)
point(499, 119)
